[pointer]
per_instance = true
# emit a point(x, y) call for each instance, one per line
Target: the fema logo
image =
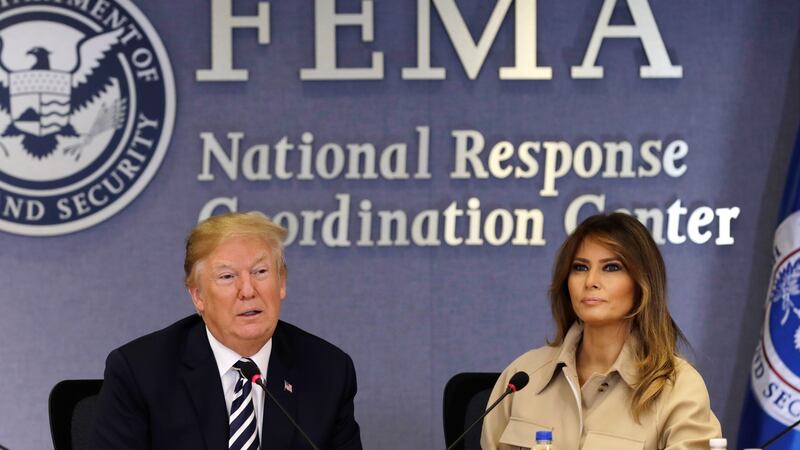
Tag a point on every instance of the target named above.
point(776, 367)
point(87, 105)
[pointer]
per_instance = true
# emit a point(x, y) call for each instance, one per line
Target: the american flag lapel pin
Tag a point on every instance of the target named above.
point(287, 386)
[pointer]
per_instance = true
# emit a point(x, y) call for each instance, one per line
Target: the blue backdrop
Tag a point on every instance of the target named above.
point(428, 158)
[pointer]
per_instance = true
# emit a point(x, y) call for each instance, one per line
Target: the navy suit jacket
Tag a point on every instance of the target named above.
point(163, 391)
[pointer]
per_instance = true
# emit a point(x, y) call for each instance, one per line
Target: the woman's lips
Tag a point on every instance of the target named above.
point(592, 301)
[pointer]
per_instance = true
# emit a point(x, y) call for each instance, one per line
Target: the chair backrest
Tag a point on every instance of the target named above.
point(72, 407)
point(465, 398)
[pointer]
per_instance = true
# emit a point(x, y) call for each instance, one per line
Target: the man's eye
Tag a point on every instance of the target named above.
point(612, 267)
point(261, 273)
point(577, 267)
point(226, 276)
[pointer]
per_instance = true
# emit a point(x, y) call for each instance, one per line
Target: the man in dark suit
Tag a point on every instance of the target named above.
point(183, 388)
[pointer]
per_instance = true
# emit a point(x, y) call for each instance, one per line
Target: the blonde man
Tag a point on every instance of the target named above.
point(189, 385)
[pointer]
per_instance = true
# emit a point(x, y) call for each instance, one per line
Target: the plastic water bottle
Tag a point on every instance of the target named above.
point(544, 441)
point(718, 444)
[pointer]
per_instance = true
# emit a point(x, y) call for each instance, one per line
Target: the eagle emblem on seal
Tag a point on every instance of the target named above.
point(41, 99)
point(785, 291)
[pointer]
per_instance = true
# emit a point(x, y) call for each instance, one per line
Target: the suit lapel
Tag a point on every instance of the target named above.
point(201, 378)
point(278, 432)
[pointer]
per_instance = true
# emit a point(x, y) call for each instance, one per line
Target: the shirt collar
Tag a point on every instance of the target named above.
point(569, 348)
point(625, 364)
point(226, 357)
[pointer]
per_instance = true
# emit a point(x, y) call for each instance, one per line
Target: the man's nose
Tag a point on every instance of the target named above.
point(246, 289)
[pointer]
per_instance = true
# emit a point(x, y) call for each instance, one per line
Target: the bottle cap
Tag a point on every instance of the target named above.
point(718, 443)
point(544, 435)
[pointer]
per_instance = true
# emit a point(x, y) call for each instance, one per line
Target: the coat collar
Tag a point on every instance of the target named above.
point(201, 379)
point(278, 432)
point(565, 356)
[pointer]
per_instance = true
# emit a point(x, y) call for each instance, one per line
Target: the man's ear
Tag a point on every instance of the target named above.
point(197, 299)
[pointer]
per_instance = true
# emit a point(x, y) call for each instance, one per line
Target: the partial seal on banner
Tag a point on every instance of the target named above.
point(776, 367)
point(87, 107)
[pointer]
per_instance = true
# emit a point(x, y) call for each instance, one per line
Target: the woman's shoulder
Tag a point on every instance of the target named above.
point(685, 408)
point(687, 382)
point(685, 372)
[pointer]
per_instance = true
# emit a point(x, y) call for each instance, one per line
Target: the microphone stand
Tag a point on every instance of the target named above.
point(488, 410)
point(260, 382)
point(789, 428)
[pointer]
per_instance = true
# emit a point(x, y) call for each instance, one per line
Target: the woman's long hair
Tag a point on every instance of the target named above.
point(650, 319)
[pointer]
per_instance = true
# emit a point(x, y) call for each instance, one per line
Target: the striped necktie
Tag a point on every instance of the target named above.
point(243, 432)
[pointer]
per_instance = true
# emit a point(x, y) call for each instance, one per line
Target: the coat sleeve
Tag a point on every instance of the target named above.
point(686, 419)
point(496, 421)
point(346, 435)
point(121, 415)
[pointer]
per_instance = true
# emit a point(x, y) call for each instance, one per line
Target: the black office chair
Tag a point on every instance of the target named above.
point(72, 407)
point(465, 398)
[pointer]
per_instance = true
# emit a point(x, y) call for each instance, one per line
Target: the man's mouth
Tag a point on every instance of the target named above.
point(250, 313)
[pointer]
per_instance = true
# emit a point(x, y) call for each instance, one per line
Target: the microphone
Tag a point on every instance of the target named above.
point(251, 372)
point(777, 436)
point(518, 381)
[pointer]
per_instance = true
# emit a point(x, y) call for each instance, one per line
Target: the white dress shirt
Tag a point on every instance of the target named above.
point(226, 358)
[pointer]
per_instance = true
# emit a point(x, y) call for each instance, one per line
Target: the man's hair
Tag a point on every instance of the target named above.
point(651, 321)
point(206, 236)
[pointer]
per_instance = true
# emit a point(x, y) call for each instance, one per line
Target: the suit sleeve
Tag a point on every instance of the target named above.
point(346, 435)
point(686, 419)
point(121, 417)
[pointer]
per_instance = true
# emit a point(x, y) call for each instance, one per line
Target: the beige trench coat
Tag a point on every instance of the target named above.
point(596, 416)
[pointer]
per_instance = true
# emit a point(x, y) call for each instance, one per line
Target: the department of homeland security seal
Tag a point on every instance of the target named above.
point(87, 106)
point(775, 374)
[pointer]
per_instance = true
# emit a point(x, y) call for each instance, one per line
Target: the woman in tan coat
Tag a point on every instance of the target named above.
point(612, 378)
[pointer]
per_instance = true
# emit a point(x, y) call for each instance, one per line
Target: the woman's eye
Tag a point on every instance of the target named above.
point(577, 267)
point(613, 267)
